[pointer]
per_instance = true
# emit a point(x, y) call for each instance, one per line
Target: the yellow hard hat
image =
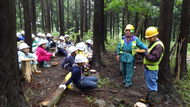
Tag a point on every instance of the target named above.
point(129, 27)
point(151, 31)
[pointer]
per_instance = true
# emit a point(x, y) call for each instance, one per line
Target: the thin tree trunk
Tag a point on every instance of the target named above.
point(181, 63)
point(85, 17)
point(27, 23)
point(61, 17)
point(89, 14)
point(81, 18)
point(76, 18)
point(33, 16)
point(20, 14)
point(68, 26)
point(43, 15)
point(140, 26)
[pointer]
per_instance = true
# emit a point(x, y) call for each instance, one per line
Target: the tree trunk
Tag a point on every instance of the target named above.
point(165, 24)
point(20, 15)
point(98, 32)
point(27, 23)
point(89, 14)
point(140, 26)
point(76, 17)
point(43, 15)
point(81, 18)
point(125, 17)
point(111, 26)
point(68, 23)
point(85, 17)
point(61, 17)
point(46, 5)
point(33, 15)
point(181, 63)
point(11, 93)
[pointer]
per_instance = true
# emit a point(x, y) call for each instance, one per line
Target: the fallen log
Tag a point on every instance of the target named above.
point(26, 69)
point(57, 95)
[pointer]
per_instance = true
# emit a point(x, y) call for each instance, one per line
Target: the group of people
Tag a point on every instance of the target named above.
point(126, 50)
point(76, 58)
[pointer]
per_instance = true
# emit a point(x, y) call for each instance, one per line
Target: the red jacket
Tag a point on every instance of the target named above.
point(42, 54)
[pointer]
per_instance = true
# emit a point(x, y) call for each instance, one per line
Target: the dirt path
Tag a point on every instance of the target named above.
point(111, 90)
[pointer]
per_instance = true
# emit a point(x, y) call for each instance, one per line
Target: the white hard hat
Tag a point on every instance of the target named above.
point(42, 42)
point(23, 46)
point(66, 36)
point(62, 38)
point(33, 35)
point(81, 46)
point(49, 35)
point(43, 35)
point(72, 49)
point(22, 32)
point(80, 59)
point(89, 41)
point(18, 34)
point(39, 34)
point(139, 104)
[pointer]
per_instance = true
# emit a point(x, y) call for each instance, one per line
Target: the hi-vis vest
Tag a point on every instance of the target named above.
point(153, 65)
point(133, 47)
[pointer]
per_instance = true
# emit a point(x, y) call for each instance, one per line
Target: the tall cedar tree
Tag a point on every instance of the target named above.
point(166, 88)
point(11, 93)
point(61, 17)
point(27, 22)
point(98, 32)
point(181, 63)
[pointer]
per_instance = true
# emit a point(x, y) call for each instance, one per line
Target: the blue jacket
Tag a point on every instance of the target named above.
point(126, 48)
point(68, 63)
point(76, 76)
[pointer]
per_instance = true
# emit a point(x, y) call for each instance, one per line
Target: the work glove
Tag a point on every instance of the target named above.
point(63, 86)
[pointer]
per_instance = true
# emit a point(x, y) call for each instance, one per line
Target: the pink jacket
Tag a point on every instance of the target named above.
point(42, 54)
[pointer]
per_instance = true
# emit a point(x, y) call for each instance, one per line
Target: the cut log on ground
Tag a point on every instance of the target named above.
point(55, 97)
point(26, 69)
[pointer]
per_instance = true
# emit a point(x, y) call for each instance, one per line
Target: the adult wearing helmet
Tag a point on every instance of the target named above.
point(43, 56)
point(125, 53)
point(23, 53)
point(69, 61)
point(152, 60)
point(81, 82)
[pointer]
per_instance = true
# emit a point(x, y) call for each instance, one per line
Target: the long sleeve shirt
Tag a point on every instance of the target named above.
point(156, 52)
point(76, 76)
point(42, 54)
point(68, 62)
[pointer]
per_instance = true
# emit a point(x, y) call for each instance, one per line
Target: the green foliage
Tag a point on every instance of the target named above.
point(183, 87)
point(111, 45)
point(103, 82)
point(90, 99)
point(115, 5)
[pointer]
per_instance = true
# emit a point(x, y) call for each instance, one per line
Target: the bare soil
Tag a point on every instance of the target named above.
point(113, 92)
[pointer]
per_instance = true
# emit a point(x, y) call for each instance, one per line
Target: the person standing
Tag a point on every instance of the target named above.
point(125, 53)
point(152, 60)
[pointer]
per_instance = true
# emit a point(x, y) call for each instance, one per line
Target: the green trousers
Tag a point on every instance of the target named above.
point(128, 71)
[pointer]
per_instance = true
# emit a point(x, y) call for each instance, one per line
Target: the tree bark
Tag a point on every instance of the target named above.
point(20, 15)
point(61, 17)
point(89, 14)
point(27, 23)
point(85, 17)
point(68, 23)
point(76, 17)
point(81, 18)
point(98, 32)
point(181, 63)
point(11, 93)
point(140, 26)
point(165, 24)
point(33, 15)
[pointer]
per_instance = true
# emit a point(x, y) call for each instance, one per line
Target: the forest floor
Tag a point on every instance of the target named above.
point(111, 90)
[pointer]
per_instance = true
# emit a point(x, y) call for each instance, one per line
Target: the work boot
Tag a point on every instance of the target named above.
point(46, 65)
